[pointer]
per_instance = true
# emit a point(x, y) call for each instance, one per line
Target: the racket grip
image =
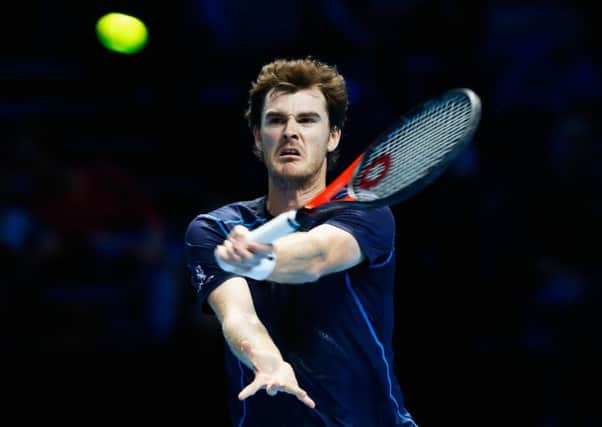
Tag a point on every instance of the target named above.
point(279, 226)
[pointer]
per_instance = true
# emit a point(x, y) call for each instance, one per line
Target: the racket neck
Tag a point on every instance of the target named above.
point(335, 186)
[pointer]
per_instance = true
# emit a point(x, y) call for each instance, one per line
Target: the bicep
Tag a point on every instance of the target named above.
point(232, 298)
point(341, 250)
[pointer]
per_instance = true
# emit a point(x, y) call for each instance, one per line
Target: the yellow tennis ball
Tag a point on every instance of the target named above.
point(121, 33)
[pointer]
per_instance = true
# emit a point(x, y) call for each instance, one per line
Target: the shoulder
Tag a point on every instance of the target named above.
point(364, 219)
point(222, 219)
point(373, 229)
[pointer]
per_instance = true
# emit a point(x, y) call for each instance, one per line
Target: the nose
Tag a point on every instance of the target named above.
point(290, 128)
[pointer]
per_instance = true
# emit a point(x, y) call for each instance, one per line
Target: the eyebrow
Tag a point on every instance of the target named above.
point(301, 114)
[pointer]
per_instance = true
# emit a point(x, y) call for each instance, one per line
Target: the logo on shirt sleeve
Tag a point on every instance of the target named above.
point(200, 278)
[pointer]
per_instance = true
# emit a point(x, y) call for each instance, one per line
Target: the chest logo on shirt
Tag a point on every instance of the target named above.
point(200, 278)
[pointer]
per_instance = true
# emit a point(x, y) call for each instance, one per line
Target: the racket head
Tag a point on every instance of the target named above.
point(415, 150)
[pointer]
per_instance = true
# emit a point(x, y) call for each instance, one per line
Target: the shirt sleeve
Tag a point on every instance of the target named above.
point(374, 230)
point(203, 234)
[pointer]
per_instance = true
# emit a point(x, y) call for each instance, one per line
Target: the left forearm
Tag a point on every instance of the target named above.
point(300, 258)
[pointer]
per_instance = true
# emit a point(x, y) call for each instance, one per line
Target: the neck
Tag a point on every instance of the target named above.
point(284, 195)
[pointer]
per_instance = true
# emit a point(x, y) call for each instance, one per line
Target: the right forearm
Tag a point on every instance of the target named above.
point(238, 329)
point(233, 306)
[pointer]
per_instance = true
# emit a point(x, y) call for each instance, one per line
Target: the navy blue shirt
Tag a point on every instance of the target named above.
point(335, 332)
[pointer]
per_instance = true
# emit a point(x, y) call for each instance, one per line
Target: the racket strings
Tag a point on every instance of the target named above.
point(416, 149)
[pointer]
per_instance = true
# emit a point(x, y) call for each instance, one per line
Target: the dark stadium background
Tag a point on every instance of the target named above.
point(107, 157)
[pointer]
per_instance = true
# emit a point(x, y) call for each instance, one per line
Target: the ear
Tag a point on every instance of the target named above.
point(257, 137)
point(333, 139)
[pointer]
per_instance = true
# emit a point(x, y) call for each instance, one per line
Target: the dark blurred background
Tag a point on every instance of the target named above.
point(106, 158)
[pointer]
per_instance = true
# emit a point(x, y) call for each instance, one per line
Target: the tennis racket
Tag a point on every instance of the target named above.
point(398, 164)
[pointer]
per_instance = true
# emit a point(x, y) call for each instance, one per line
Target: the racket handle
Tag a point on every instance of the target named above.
point(279, 226)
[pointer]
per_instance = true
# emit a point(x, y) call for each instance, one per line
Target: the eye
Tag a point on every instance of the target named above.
point(274, 120)
point(308, 119)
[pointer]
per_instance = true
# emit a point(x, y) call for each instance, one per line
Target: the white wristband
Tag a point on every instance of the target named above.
point(262, 270)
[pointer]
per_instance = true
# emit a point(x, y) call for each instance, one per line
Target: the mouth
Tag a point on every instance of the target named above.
point(289, 153)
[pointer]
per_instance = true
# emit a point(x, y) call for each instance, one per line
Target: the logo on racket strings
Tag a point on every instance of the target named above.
point(376, 170)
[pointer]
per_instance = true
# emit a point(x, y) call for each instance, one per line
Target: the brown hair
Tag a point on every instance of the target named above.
point(293, 75)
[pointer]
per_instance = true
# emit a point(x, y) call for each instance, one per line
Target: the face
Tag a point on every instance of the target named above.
point(295, 135)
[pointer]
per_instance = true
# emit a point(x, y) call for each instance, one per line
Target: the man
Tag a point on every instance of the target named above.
point(309, 318)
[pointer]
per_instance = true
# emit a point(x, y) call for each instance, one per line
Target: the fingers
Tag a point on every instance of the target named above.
point(307, 400)
point(239, 251)
point(239, 232)
point(233, 249)
point(273, 389)
point(233, 261)
point(240, 243)
point(249, 390)
point(301, 395)
point(260, 249)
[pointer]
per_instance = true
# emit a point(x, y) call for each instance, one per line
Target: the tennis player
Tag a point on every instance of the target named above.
point(308, 320)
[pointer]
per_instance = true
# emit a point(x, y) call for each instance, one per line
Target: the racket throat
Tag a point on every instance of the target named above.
point(335, 186)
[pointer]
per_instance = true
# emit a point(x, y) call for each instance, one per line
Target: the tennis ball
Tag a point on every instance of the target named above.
point(121, 33)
